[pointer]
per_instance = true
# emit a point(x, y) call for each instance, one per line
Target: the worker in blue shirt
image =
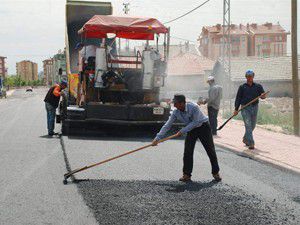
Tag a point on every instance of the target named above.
point(197, 126)
point(246, 93)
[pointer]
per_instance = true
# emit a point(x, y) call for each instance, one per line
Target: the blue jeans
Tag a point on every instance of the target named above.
point(50, 117)
point(249, 115)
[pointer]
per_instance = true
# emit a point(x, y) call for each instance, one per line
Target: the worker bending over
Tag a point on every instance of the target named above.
point(51, 102)
point(197, 126)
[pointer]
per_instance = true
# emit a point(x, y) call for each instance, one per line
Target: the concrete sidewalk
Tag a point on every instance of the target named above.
point(10, 92)
point(275, 148)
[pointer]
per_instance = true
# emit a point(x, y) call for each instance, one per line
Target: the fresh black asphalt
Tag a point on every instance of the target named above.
point(144, 188)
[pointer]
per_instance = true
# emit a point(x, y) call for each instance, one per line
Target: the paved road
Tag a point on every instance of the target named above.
point(138, 189)
point(31, 190)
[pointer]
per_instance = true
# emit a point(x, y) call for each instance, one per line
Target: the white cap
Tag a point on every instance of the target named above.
point(210, 78)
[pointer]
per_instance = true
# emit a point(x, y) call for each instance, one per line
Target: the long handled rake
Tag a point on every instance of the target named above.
point(244, 106)
point(67, 175)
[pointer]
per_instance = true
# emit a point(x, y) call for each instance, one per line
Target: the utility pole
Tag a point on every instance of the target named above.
point(226, 52)
point(126, 11)
point(295, 69)
point(126, 8)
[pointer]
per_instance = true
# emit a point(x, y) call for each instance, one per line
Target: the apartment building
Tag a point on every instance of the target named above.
point(59, 66)
point(264, 40)
point(267, 40)
point(211, 39)
point(3, 69)
point(27, 70)
point(48, 71)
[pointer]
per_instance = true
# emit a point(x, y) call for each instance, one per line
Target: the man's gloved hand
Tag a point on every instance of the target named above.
point(178, 134)
point(263, 95)
point(154, 142)
point(235, 112)
point(201, 101)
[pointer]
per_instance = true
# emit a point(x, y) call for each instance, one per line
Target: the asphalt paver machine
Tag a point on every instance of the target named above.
point(110, 85)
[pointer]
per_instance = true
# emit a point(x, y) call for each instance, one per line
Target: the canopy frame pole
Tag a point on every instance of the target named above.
point(165, 48)
point(157, 36)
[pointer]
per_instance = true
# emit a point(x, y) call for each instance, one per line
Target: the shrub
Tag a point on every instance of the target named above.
point(269, 115)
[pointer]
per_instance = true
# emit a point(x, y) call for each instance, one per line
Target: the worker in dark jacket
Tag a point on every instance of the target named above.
point(246, 93)
point(196, 127)
point(51, 101)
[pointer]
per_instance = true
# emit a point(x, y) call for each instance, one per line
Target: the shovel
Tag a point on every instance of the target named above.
point(244, 106)
point(67, 175)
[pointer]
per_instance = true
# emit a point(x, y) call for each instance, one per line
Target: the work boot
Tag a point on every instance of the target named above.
point(245, 142)
point(53, 133)
point(217, 177)
point(185, 178)
point(251, 147)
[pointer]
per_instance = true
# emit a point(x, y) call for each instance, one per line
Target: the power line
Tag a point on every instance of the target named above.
point(188, 12)
point(183, 39)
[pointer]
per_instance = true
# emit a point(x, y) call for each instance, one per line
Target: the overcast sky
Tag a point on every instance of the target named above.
point(34, 29)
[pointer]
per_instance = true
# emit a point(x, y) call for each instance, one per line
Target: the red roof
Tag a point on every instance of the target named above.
point(189, 64)
point(234, 30)
point(124, 27)
point(267, 28)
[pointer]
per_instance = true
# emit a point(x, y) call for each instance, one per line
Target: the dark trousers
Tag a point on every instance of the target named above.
point(205, 136)
point(213, 119)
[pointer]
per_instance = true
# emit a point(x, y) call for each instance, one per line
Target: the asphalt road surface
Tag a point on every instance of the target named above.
point(141, 188)
point(31, 189)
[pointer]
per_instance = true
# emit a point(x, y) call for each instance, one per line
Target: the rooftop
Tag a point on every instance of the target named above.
point(188, 64)
point(174, 50)
point(265, 69)
point(218, 29)
point(267, 28)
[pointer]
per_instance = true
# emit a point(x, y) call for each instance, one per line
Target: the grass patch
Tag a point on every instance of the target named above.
point(268, 115)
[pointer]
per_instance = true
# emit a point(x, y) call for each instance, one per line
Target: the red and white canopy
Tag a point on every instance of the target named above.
point(124, 27)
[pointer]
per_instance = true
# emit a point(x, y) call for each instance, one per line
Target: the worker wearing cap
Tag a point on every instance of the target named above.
point(196, 126)
point(247, 92)
point(51, 102)
point(213, 103)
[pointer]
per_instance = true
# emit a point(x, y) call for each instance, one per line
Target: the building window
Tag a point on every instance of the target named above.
point(278, 49)
point(266, 38)
point(235, 39)
point(265, 54)
point(258, 38)
point(266, 46)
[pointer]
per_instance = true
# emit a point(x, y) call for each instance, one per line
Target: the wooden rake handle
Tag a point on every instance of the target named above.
point(244, 106)
point(67, 175)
